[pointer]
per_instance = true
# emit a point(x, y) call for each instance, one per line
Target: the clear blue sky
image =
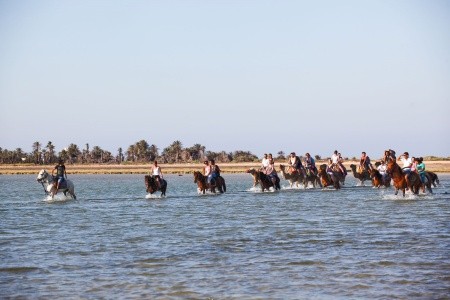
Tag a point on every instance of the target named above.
point(261, 76)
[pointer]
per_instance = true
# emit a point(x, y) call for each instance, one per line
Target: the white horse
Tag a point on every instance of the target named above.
point(47, 182)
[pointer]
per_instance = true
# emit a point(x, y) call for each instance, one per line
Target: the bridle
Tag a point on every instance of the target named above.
point(41, 181)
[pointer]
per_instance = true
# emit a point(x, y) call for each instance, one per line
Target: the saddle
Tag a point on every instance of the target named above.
point(62, 184)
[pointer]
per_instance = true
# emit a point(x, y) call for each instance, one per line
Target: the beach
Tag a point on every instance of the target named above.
point(438, 166)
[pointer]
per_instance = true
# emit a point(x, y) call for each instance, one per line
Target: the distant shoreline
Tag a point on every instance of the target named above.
point(439, 166)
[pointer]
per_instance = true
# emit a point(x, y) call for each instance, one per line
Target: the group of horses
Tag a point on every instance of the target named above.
point(336, 178)
point(321, 178)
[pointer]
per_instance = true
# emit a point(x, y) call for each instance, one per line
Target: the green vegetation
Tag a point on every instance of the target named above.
point(139, 152)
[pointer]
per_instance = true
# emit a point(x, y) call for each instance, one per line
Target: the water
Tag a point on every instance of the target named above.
point(112, 242)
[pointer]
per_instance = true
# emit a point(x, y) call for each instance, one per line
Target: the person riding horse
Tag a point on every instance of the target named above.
point(337, 160)
point(157, 174)
point(295, 164)
point(407, 164)
point(310, 165)
point(420, 168)
point(214, 172)
point(60, 174)
point(270, 171)
point(364, 163)
point(389, 155)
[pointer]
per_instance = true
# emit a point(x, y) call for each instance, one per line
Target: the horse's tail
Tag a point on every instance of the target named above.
point(224, 185)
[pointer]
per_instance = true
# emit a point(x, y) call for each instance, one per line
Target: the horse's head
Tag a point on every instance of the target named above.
point(197, 175)
point(391, 166)
point(353, 167)
point(282, 167)
point(150, 184)
point(42, 176)
point(251, 171)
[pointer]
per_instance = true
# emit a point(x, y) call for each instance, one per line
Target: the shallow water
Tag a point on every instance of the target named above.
point(113, 242)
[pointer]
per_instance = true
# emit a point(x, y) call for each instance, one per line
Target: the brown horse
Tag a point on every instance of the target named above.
point(264, 180)
point(203, 184)
point(378, 180)
point(363, 176)
point(327, 179)
point(313, 178)
point(398, 177)
point(294, 177)
point(152, 186)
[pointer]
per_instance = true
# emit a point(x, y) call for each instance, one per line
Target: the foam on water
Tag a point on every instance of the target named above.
point(57, 198)
point(154, 196)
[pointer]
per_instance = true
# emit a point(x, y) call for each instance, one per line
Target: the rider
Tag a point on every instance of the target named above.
point(214, 172)
point(329, 168)
point(364, 163)
point(60, 174)
point(264, 162)
point(420, 168)
point(310, 164)
point(337, 159)
point(295, 163)
point(389, 155)
point(407, 164)
point(382, 168)
point(157, 174)
point(270, 171)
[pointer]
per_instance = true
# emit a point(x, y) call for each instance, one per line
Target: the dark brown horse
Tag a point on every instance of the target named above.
point(328, 179)
point(362, 176)
point(152, 186)
point(378, 179)
point(433, 178)
point(399, 179)
point(203, 185)
point(264, 180)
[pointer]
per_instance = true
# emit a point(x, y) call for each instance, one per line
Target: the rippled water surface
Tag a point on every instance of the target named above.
point(113, 242)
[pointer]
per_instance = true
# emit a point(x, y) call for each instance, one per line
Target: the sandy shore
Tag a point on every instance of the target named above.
point(435, 166)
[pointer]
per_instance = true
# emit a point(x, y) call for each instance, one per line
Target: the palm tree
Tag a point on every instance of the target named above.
point(97, 154)
point(50, 153)
point(153, 152)
point(36, 152)
point(120, 155)
point(73, 151)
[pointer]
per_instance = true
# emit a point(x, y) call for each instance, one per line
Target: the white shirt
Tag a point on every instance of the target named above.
point(334, 158)
point(382, 169)
point(407, 162)
point(156, 171)
point(265, 162)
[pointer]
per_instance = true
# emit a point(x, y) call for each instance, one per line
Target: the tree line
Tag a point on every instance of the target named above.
point(139, 152)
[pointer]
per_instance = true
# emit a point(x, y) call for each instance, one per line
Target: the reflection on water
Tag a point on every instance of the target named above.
point(114, 241)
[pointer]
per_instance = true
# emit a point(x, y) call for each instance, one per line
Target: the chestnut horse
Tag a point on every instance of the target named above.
point(203, 185)
point(327, 179)
point(152, 186)
point(378, 180)
point(265, 181)
point(363, 176)
point(398, 177)
point(295, 177)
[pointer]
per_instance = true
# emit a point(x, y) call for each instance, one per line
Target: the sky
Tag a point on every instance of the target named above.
point(259, 76)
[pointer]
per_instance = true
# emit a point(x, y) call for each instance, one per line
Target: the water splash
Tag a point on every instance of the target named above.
point(57, 198)
point(154, 196)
